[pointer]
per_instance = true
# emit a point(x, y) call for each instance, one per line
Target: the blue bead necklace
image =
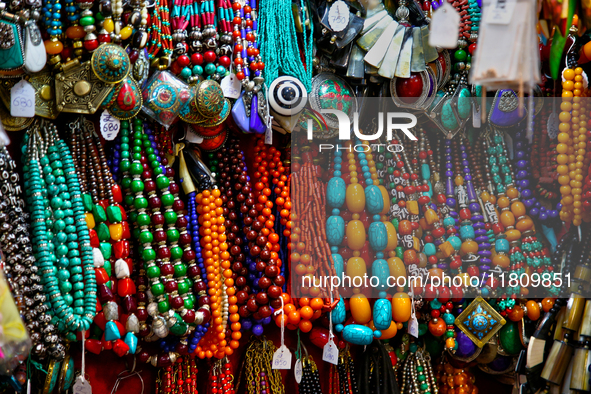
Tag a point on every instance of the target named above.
point(51, 12)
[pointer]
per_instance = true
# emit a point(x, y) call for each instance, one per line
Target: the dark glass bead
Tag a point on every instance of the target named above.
point(166, 269)
point(129, 305)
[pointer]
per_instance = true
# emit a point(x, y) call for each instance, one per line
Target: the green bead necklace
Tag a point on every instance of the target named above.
point(61, 242)
point(173, 301)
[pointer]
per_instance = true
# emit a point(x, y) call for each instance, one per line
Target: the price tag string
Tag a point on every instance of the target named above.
point(282, 356)
point(330, 334)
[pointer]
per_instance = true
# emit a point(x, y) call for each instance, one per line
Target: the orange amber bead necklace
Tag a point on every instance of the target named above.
point(217, 266)
point(571, 148)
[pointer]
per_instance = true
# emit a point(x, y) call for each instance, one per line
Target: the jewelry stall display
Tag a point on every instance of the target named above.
point(193, 191)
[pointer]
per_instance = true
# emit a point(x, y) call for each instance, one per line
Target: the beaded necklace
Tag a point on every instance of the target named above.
point(211, 220)
point(529, 251)
point(159, 30)
point(342, 376)
point(571, 151)
point(139, 19)
point(193, 229)
point(108, 230)
point(264, 242)
point(417, 374)
point(541, 155)
point(19, 265)
point(306, 225)
point(376, 206)
point(60, 235)
point(434, 231)
point(472, 232)
point(51, 12)
point(276, 20)
point(221, 378)
point(181, 377)
point(481, 233)
point(524, 170)
point(452, 245)
point(246, 52)
point(233, 174)
point(173, 261)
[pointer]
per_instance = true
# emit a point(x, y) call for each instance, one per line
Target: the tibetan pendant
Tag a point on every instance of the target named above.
point(479, 321)
point(78, 90)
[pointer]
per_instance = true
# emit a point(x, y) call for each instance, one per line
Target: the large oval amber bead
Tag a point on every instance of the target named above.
point(501, 260)
point(513, 235)
point(468, 246)
point(518, 209)
point(360, 309)
point(356, 267)
point(75, 32)
point(397, 267)
point(524, 224)
point(386, 198)
point(392, 237)
point(533, 310)
point(507, 218)
point(388, 333)
point(355, 234)
point(401, 307)
point(355, 198)
point(53, 47)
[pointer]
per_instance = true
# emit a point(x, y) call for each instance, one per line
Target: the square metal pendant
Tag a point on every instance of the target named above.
point(479, 321)
point(78, 90)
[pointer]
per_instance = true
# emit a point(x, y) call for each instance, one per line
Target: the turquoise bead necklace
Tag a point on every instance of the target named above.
point(378, 240)
point(281, 56)
point(336, 191)
point(61, 241)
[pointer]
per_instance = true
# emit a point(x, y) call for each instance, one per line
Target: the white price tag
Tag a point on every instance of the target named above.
point(22, 100)
point(231, 86)
point(445, 27)
point(81, 386)
point(413, 326)
point(499, 12)
point(269, 132)
point(330, 353)
point(297, 371)
point(282, 358)
point(109, 126)
point(338, 16)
